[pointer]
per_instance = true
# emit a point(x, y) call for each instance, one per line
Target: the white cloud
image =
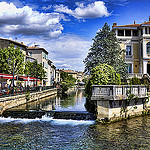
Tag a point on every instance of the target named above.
point(93, 10)
point(68, 51)
point(47, 8)
point(26, 21)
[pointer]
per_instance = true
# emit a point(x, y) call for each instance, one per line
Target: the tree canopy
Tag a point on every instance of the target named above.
point(67, 81)
point(106, 49)
point(34, 69)
point(8, 57)
point(104, 74)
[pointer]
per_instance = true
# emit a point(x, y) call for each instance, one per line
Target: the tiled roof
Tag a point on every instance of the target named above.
point(148, 22)
point(37, 48)
point(133, 25)
point(130, 25)
point(70, 71)
point(14, 42)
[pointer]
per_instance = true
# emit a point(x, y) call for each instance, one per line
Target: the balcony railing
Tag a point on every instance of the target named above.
point(117, 92)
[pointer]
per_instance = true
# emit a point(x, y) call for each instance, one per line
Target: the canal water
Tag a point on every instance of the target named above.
point(54, 134)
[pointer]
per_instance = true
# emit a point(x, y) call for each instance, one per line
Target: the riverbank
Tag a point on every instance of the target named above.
point(13, 101)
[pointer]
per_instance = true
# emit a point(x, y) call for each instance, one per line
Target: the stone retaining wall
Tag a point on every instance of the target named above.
point(112, 104)
point(13, 101)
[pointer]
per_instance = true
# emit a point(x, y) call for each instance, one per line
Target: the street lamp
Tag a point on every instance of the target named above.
point(13, 77)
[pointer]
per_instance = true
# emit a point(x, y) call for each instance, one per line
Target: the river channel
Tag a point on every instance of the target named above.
point(47, 133)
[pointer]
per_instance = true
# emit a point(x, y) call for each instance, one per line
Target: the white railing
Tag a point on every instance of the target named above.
point(137, 75)
point(117, 92)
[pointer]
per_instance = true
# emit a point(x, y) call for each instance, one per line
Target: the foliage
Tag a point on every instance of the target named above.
point(106, 49)
point(85, 80)
point(67, 81)
point(8, 57)
point(34, 69)
point(27, 95)
point(130, 97)
point(135, 81)
point(104, 74)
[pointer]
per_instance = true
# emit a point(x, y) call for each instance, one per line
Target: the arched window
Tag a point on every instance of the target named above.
point(148, 48)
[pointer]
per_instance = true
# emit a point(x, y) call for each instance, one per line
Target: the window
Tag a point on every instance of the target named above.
point(46, 65)
point(135, 32)
point(127, 32)
point(148, 48)
point(128, 50)
point(120, 32)
point(145, 30)
point(30, 54)
point(129, 68)
point(141, 31)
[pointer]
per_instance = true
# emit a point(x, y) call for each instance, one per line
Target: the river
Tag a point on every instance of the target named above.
point(54, 134)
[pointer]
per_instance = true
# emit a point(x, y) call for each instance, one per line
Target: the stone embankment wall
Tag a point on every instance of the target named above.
point(13, 101)
point(111, 101)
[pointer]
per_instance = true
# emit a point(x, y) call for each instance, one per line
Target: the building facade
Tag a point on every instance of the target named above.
point(135, 39)
point(41, 55)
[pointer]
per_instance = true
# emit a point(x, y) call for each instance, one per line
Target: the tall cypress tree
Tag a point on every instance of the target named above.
point(106, 49)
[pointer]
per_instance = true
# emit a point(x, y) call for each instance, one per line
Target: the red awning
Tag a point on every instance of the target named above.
point(6, 76)
point(23, 78)
point(33, 79)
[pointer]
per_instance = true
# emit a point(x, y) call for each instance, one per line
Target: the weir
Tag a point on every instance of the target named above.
point(112, 103)
point(73, 115)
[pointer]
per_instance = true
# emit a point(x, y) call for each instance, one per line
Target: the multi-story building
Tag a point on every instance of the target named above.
point(58, 76)
point(135, 39)
point(5, 43)
point(52, 74)
point(41, 55)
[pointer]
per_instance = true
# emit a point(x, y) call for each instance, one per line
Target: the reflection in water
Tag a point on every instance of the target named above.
point(74, 101)
point(48, 133)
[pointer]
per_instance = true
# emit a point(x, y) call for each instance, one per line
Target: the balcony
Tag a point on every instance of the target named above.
point(117, 92)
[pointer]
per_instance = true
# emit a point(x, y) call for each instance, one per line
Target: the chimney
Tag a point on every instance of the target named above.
point(134, 22)
point(149, 18)
point(22, 43)
point(35, 45)
point(114, 25)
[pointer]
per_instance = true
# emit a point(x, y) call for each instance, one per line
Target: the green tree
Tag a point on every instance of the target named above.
point(34, 69)
point(102, 74)
point(10, 56)
point(67, 81)
point(106, 49)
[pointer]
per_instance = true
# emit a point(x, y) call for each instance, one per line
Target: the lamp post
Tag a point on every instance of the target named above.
point(13, 77)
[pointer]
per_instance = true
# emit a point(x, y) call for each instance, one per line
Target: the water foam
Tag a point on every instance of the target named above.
point(48, 119)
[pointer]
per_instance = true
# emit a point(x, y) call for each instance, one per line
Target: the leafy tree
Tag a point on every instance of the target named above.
point(106, 49)
point(135, 81)
point(10, 56)
point(67, 81)
point(102, 74)
point(34, 69)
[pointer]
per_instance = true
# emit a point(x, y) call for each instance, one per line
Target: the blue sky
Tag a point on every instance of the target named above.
point(65, 28)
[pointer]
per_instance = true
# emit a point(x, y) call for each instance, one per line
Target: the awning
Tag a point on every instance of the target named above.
point(24, 78)
point(6, 76)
